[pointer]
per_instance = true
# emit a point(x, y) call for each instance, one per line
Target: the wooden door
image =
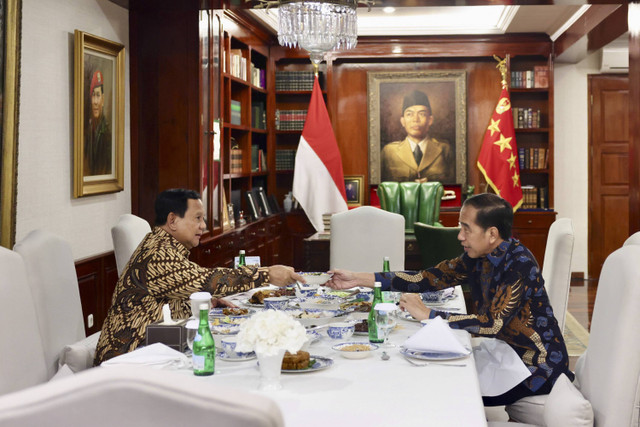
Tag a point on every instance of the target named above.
point(608, 167)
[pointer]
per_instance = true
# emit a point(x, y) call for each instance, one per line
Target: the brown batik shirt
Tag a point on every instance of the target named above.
point(159, 272)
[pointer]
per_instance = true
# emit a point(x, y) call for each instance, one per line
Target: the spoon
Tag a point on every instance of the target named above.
point(385, 356)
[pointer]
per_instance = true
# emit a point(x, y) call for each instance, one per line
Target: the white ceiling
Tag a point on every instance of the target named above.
point(441, 20)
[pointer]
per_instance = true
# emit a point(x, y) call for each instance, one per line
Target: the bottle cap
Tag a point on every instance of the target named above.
point(386, 258)
point(241, 251)
point(204, 306)
point(377, 285)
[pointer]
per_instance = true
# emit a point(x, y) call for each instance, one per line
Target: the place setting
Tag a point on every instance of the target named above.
point(434, 342)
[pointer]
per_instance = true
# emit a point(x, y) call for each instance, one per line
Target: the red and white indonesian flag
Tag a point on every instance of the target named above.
point(498, 159)
point(318, 181)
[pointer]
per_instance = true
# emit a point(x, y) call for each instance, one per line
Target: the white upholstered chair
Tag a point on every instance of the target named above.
point(21, 355)
point(556, 269)
point(53, 282)
point(609, 374)
point(105, 397)
point(127, 235)
point(362, 237)
point(634, 239)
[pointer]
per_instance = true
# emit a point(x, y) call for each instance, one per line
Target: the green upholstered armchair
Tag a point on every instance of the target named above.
point(415, 201)
point(437, 243)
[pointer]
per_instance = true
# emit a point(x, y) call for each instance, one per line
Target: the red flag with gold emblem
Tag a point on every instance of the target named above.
point(498, 160)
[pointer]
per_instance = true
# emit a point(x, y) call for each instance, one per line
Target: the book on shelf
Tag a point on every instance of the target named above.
point(262, 161)
point(237, 64)
point(258, 77)
point(295, 80)
point(258, 115)
point(255, 157)
point(521, 154)
point(541, 76)
point(543, 197)
point(285, 159)
point(529, 197)
point(236, 112)
point(236, 160)
point(290, 119)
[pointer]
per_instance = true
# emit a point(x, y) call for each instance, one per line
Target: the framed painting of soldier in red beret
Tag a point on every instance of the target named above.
point(98, 115)
point(417, 126)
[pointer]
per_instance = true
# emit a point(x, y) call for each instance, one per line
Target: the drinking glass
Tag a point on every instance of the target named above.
point(385, 321)
point(192, 330)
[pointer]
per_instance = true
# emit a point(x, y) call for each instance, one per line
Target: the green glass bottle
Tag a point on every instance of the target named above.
point(241, 258)
point(386, 295)
point(385, 265)
point(204, 347)
point(374, 337)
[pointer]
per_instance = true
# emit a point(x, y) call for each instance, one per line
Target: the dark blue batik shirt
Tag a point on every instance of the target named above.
point(511, 303)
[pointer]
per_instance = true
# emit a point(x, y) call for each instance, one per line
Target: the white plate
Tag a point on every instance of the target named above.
point(321, 363)
point(431, 355)
point(224, 356)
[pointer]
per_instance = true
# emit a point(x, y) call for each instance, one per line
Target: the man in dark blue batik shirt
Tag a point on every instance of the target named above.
point(507, 290)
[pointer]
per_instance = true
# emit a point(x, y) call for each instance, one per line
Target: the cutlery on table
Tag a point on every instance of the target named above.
point(414, 363)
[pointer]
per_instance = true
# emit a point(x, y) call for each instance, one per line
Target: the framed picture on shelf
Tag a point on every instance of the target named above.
point(354, 187)
point(98, 143)
point(253, 206)
point(421, 104)
point(264, 203)
point(273, 202)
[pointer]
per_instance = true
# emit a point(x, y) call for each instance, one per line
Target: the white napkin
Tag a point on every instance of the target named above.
point(156, 355)
point(435, 336)
point(499, 367)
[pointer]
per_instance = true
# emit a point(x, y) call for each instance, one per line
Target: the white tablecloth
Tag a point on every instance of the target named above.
point(370, 392)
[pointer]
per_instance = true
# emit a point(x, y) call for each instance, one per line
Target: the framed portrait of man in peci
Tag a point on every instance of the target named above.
point(354, 188)
point(417, 126)
point(98, 165)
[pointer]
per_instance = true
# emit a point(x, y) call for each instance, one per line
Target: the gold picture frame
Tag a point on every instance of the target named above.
point(354, 188)
point(98, 144)
point(10, 23)
point(447, 93)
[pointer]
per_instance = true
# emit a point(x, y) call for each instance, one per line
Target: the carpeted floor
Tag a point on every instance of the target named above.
point(576, 337)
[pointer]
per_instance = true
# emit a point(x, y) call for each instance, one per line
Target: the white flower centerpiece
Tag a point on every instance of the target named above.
point(270, 333)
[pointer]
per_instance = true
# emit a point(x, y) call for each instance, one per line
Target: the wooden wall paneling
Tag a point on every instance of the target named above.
point(97, 278)
point(164, 98)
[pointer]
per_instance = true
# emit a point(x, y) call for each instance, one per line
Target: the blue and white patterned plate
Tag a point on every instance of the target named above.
point(431, 355)
point(320, 363)
point(314, 336)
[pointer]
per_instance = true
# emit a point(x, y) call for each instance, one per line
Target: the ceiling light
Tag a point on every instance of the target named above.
point(317, 26)
point(633, 19)
point(388, 9)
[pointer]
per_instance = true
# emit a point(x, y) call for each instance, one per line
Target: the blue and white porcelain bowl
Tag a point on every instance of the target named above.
point(229, 347)
point(365, 295)
point(432, 296)
point(225, 329)
point(276, 303)
point(306, 291)
point(340, 330)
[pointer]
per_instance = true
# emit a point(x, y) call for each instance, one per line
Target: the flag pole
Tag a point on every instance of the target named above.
point(502, 67)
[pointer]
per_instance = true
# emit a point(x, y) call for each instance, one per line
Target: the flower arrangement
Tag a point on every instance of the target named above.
point(270, 331)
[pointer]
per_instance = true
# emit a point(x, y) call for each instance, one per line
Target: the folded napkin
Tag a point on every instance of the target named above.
point(435, 336)
point(499, 367)
point(156, 355)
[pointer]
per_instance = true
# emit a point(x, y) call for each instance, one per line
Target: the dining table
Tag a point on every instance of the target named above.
point(369, 391)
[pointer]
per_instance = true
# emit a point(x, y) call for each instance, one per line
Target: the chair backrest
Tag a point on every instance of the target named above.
point(634, 239)
point(417, 202)
point(556, 269)
point(136, 396)
point(51, 275)
point(609, 375)
point(430, 200)
point(437, 243)
point(362, 237)
point(127, 235)
point(22, 362)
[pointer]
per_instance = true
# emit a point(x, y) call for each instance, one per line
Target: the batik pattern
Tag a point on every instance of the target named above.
point(510, 302)
point(159, 272)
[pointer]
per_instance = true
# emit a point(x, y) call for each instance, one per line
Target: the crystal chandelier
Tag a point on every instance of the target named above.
point(317, 26)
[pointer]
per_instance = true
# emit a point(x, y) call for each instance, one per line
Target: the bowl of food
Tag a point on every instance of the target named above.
point(225, 329)
point(316, 278)
point(355, 350)
point(306, 291)
point(314, 317)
